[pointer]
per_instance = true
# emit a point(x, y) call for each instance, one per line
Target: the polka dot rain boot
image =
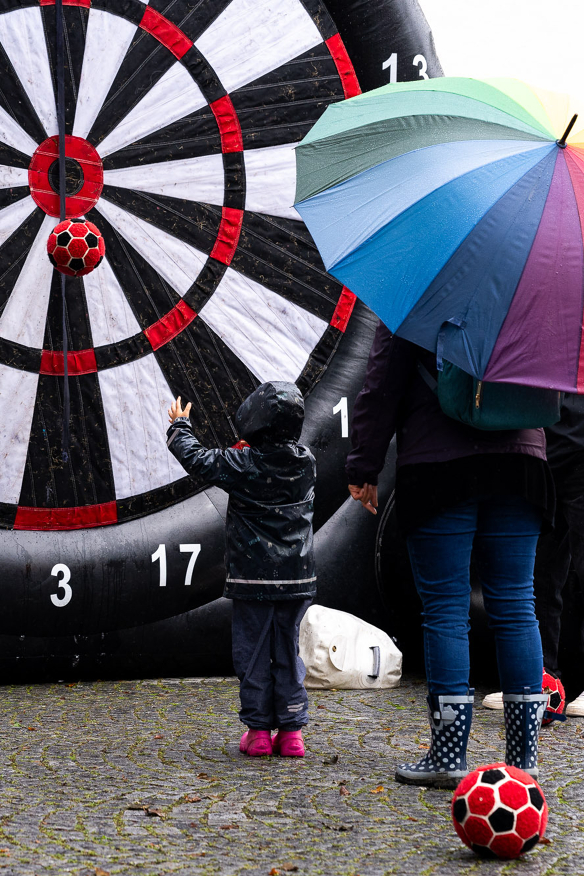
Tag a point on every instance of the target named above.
point(445, 764)
point(523, 716)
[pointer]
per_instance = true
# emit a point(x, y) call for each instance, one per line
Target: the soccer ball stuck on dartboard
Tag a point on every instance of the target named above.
point(499, 811)
point(75, 247)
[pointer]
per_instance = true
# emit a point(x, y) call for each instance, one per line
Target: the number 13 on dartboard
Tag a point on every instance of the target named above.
point(391, 65)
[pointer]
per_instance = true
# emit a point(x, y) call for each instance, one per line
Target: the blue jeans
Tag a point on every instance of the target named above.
point(504, 532)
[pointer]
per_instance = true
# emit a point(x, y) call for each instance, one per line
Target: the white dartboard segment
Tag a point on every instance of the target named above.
point(106, 44)
point(173, 97)
point(13, 135)
point(17, 396)
point(196, 179)
point(270, 181)
point(23, 38)
point(12, 176)
point(178, 262)
point(110, 316)
point(270, 334)
point(252, 37)
point(12, 217)
point(24, 317)
point(136, 398)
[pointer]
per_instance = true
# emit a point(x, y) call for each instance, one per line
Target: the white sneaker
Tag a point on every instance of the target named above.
point(575, 709)
point(495, 701)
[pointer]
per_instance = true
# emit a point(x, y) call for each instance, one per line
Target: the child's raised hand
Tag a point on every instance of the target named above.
point(175, 410)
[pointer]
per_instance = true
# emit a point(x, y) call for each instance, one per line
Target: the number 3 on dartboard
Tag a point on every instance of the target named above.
point(160, 555)
point(65, 599)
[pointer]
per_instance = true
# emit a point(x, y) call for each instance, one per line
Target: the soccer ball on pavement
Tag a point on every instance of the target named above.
point(552, 686)
point(499, 811)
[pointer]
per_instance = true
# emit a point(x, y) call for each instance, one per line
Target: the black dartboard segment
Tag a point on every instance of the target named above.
point(210, 283)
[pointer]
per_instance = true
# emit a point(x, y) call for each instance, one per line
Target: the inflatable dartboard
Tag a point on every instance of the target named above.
point(180, 149)
point(181, 120)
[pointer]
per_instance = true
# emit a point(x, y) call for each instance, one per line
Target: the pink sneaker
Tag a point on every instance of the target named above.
point(288, 743)
point(256, 743)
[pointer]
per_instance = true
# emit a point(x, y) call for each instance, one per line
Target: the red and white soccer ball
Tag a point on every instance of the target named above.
point(499, 811)
point(557, 695)
point(75, 247)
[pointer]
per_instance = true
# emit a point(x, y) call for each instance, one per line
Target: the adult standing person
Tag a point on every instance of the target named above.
point(565, 545)
point(458, 488)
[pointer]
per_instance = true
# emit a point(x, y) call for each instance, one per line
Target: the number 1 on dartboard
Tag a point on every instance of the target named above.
point(343, 409)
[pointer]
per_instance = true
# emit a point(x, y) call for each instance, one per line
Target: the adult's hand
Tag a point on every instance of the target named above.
point(367, 495)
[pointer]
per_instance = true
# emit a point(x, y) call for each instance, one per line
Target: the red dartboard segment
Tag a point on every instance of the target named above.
point(344, 309)
point(90, 167)
point(86, 4)
point(167, 33)
point(171, 325)
point(78, 362)
point(229, 127)
point(85, 517)
point(344, 66)
point(228, 235)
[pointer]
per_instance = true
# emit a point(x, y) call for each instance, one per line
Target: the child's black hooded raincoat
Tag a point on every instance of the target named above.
point(271, 492)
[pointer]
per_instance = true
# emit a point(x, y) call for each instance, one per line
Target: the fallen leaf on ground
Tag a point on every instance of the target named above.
point(411, 817)
point(545, 841)
point(154, 812)
point(193, 799)
point(99, 872)
point(321, 707)
point(423, 746)
point(334, 758)
point(159, 736)
point(31, 728)
point(203, 776)
point(229, 827)
point(289, 868)
point(378, 790)
point(343, 791)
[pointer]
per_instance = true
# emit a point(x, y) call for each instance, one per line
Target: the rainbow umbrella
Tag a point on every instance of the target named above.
point(454, 208)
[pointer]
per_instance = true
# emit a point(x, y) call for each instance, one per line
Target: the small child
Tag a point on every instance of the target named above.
point(269, 558)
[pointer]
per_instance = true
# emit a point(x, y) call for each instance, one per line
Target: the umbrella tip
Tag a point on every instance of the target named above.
point(566, 134)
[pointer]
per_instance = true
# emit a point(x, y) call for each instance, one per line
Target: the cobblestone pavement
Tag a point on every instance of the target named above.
point(146, 778)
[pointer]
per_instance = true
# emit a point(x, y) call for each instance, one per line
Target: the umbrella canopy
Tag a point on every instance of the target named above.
point(454, 208)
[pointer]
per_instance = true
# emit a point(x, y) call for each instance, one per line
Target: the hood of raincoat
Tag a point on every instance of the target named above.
point(273, 413)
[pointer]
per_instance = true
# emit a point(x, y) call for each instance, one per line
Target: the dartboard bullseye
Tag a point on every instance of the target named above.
point(84, 181)
point(181, 123)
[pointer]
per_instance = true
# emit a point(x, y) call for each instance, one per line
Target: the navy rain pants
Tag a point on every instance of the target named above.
point(266, 661)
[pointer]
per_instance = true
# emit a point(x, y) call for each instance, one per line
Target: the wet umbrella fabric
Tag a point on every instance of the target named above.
point(449, 207)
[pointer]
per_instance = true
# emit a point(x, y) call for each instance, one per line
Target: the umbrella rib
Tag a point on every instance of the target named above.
point(566, 134)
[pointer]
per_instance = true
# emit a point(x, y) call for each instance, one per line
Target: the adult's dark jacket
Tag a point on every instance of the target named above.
point(269, 534)
point(565, 443)
point(441, 462)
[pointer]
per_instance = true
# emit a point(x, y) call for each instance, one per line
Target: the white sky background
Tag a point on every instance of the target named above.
point(540, 41)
